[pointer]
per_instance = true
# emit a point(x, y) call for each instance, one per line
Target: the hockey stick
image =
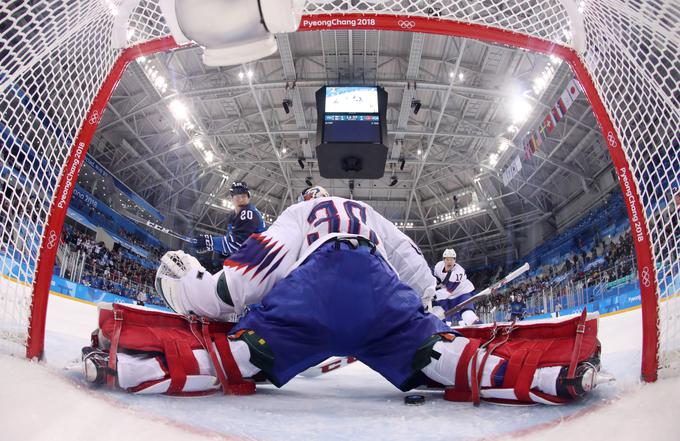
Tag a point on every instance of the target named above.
point(327, 366)
point(157, 227)
point(490, 290)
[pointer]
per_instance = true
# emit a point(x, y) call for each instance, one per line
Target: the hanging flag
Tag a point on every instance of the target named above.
point(512, 170)
point(533, 141)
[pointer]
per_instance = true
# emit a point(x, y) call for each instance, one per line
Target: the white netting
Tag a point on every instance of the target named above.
point(632, 55)
point(54, 56)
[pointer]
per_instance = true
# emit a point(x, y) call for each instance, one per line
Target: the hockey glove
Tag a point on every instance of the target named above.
point(204, 243)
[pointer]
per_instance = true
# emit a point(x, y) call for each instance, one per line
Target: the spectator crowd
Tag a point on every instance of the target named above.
point(604, 263)
point(114, 271)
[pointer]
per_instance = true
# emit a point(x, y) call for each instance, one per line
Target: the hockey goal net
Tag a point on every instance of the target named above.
point(58, 68)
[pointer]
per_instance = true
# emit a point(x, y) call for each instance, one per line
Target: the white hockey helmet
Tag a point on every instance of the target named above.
point(449, 252)
point(312, 193)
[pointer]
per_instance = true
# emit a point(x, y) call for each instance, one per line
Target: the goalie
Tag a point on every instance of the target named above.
point(333, 278)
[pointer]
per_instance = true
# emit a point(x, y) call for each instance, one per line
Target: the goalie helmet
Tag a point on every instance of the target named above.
point(313, 193)
point(239, 187)
point(450, 252)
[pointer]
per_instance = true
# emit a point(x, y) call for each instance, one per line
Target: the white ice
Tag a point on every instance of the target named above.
point(49, 401)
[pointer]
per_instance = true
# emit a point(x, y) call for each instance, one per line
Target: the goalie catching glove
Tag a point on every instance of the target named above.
point(188, 288)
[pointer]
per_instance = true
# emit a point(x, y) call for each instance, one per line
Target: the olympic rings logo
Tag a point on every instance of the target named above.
point(94, 118)
point(51, 240)
point(646, 277)
point(611, 138)
point(406, 24)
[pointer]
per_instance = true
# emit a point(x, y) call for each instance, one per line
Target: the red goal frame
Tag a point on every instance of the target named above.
point(645, 261)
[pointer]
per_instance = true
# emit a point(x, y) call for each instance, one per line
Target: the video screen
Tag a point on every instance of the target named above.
point(351, 99)
point(352, 128)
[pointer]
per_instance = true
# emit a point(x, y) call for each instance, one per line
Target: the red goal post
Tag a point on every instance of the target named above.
point(617, 76)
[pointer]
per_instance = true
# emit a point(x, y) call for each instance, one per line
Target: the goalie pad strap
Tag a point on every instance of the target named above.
point(526, 373)
point(461, 390)
point(113, 350)
point(580, 331)
point(514, 366)
point(236, 384)
point(213, 356)
point(181, 362)
point(232, 383)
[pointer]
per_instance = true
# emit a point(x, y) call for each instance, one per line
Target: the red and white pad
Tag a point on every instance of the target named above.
point(181, 340)
point(528, 348)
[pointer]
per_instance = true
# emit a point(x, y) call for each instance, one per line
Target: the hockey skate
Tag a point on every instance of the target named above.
point(586, 377)
point(95, 365)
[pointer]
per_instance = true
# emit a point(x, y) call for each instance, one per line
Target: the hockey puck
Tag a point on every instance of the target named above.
point(414, 400)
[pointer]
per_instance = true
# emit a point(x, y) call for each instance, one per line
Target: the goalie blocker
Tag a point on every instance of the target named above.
point(550, 362)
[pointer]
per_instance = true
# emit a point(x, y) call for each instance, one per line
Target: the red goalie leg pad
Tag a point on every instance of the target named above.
point(461, 390)
point(527, 347)
point(174, 335)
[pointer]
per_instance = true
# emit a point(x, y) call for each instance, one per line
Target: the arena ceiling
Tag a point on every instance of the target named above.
point(178, 133)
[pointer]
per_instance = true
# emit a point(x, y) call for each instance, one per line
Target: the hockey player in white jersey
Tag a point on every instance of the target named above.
point(333, 278)
point(455, 288)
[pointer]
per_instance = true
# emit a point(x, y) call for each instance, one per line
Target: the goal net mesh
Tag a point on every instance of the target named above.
point(55, 56)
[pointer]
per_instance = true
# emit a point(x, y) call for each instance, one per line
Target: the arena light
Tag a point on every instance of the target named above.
point(540, 84)
point(160, 82)
point(179, 110)
point(461, 77)
point(520, 110)
point(113, 9)
point(544, 78)
point(581, 7)
point(493, 159)
point(419, 152)
point(503, 146)
point(209, 156)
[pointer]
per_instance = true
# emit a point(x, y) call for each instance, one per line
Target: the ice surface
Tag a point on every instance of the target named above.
point(41, 401)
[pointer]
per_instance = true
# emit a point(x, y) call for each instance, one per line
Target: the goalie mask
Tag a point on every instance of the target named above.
point(313, 193)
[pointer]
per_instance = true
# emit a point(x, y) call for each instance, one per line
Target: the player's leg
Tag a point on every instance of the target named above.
point(401, 327)
point(145, 351)
point(315, 313)
point(312, 314)
point(149, 373)
point(466, 317)
point(532, 366)
point(548, 363)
